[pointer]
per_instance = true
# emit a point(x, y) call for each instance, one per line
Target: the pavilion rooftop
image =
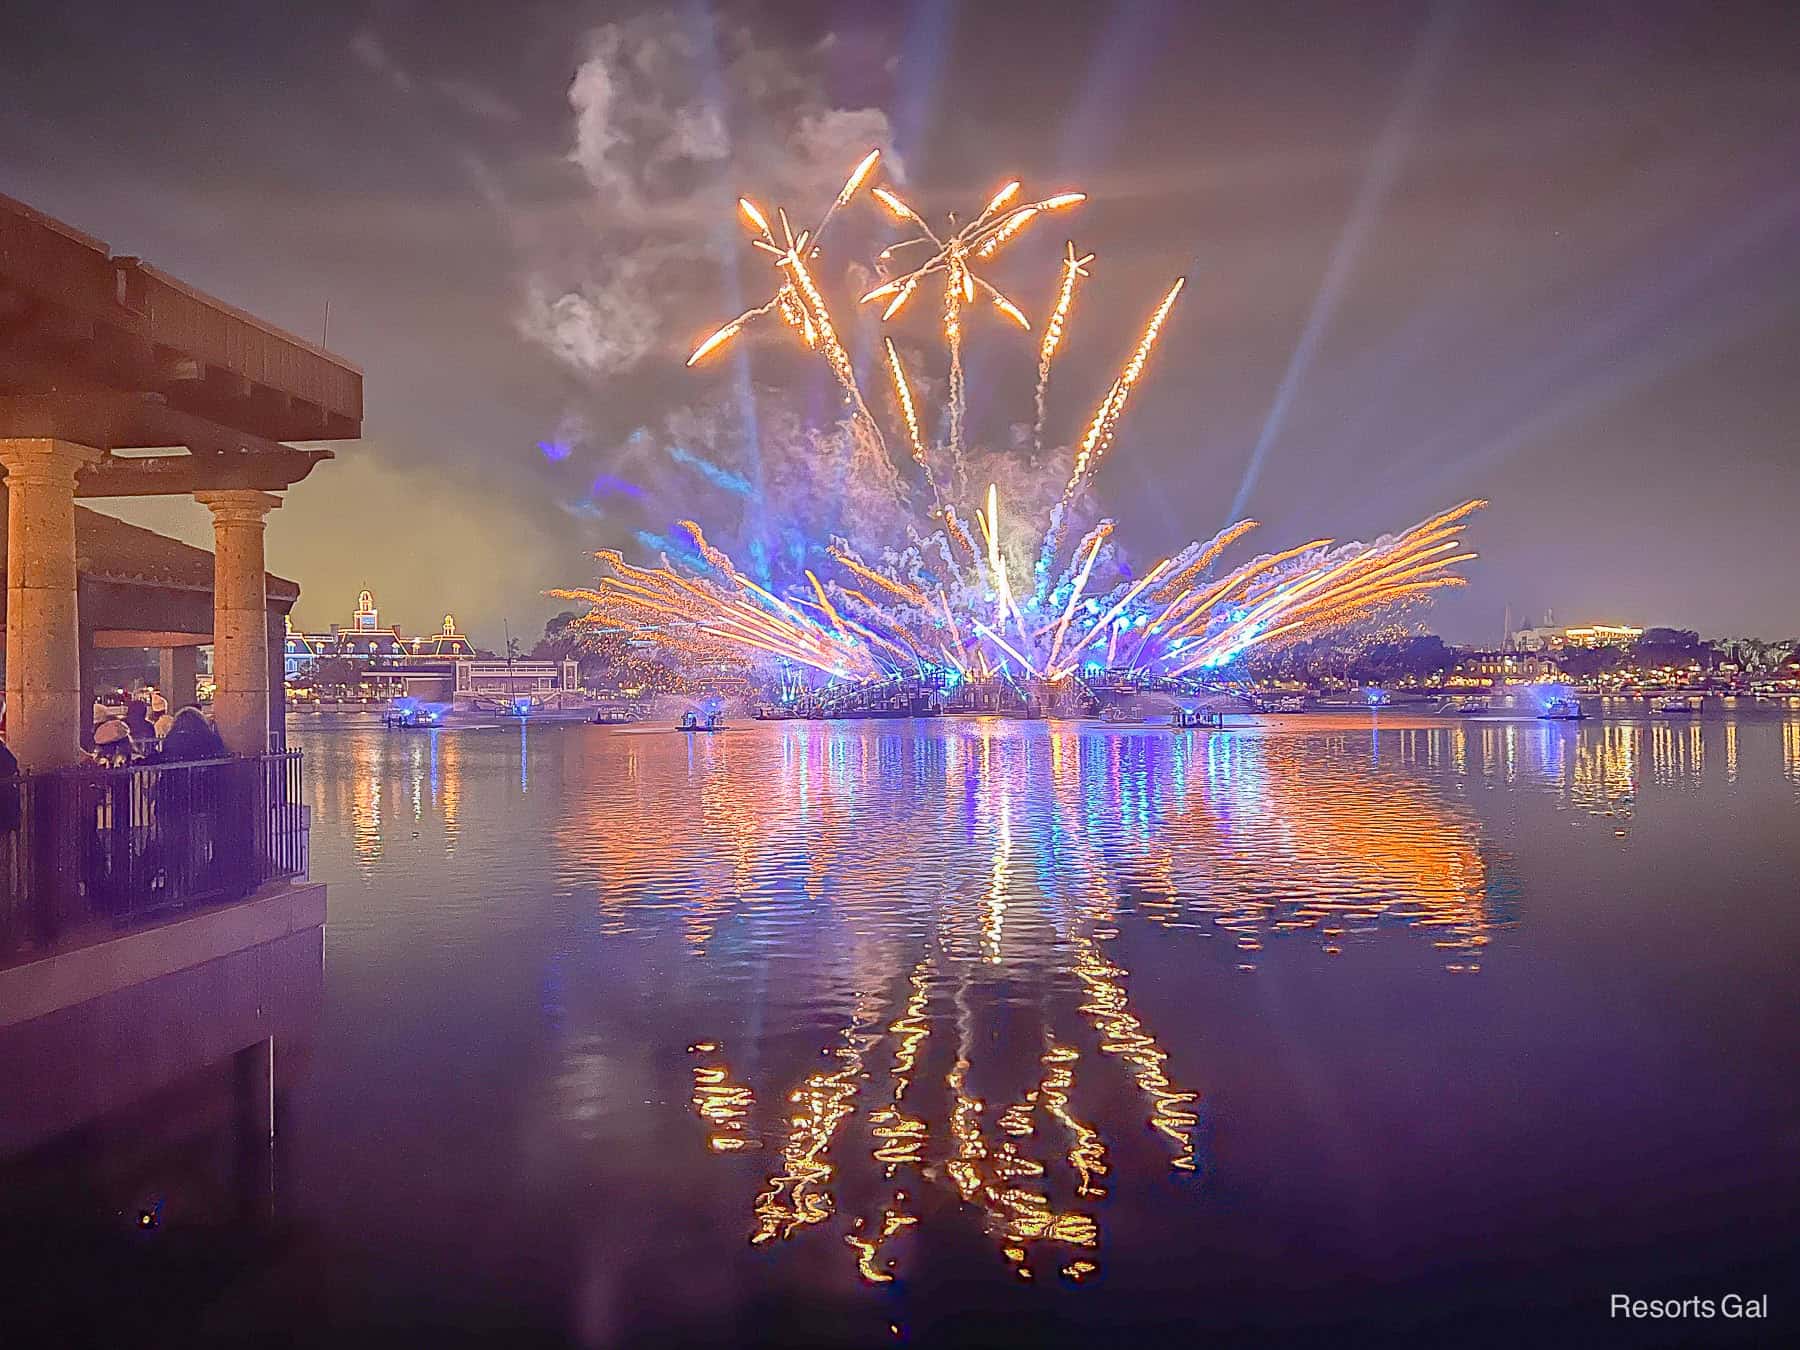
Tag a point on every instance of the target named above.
point(110, 549)
point(110, 352)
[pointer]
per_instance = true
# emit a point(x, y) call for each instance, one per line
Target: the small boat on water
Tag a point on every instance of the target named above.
point(1280, 705)
point(1564, 709)
point(1680, 706)
point(612, 717)
point(407, 715)
point(1112, 712)
point(1190, 719)
point(1467, 706)
point(696, 721)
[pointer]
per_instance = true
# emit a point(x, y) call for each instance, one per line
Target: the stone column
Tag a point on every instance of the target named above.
point(180, 670)
point(240, 617)
point(44, 715)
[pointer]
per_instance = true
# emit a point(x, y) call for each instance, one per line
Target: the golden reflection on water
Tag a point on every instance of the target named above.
point(933, 872)
point(1276, 838)
point(723, 1104)
point(1604, 771)
point(1002, 1169)
point(953, 907)
point(956, 861)
point(372, 774)
point(1677, 753)
point(796, 1194)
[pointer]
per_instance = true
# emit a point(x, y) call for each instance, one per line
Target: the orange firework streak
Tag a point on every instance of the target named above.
point(956, 595)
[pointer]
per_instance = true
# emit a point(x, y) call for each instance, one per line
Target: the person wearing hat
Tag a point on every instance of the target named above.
point(112, 742)
point(108, 798)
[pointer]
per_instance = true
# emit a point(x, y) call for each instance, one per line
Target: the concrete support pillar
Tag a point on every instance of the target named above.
point(178, 676)
point(240, 618)
point(44, 712)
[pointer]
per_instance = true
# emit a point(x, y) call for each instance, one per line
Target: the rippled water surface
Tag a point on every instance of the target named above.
point(983, 1030)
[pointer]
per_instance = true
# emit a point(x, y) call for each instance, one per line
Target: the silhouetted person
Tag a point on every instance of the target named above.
point(206, 814)
point(106, 820)
point(137, 722)
point(191, 737)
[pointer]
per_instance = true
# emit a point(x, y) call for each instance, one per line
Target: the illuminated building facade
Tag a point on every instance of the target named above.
point(440, 667)
point(366, 642)
point(499, 679)
point(1514, 667)
point(1585, 635)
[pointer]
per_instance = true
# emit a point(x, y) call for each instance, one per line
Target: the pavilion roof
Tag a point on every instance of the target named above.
point(110, 549)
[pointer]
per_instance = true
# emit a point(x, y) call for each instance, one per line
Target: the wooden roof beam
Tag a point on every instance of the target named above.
point(182, 475)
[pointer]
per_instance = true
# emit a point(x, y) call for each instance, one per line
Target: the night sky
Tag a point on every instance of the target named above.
point(1543, 254)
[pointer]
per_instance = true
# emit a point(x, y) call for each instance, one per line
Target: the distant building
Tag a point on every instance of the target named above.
point(1488, 667)
point(1583, 635)
point(439, 667)
point(511, 679)
point(444, 645)
point(366, 642)
point(367, 618)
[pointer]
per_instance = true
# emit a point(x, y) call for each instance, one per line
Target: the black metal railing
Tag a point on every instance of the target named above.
point(91, 847)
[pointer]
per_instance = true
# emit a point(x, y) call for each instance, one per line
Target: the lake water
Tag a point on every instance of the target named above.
point(975, 1030)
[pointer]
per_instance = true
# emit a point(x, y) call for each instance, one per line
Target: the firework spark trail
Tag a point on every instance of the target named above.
point(903, 396)
point(1004, 601)
point(982, 238)
point(946, 595)
point(857, 177)
point(1199, 607)
point(910, 594)
point(714, 557)
point(732, 329)
point(786, 299)
point(1104, 623)
point(1191, 572)
point(960, 531)
point(862, 421)
point(1073, 270)
point(1080, 587)
point(953, 303)
point(1104, 426)
point(1106, 422)
point(1353, 582)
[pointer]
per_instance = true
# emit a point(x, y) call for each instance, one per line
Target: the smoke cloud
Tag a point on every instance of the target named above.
point(670, 125)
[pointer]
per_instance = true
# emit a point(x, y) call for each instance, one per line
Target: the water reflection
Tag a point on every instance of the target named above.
point(863, 994)
point(1274, 836)
point(356, 781)
point(964, 889)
